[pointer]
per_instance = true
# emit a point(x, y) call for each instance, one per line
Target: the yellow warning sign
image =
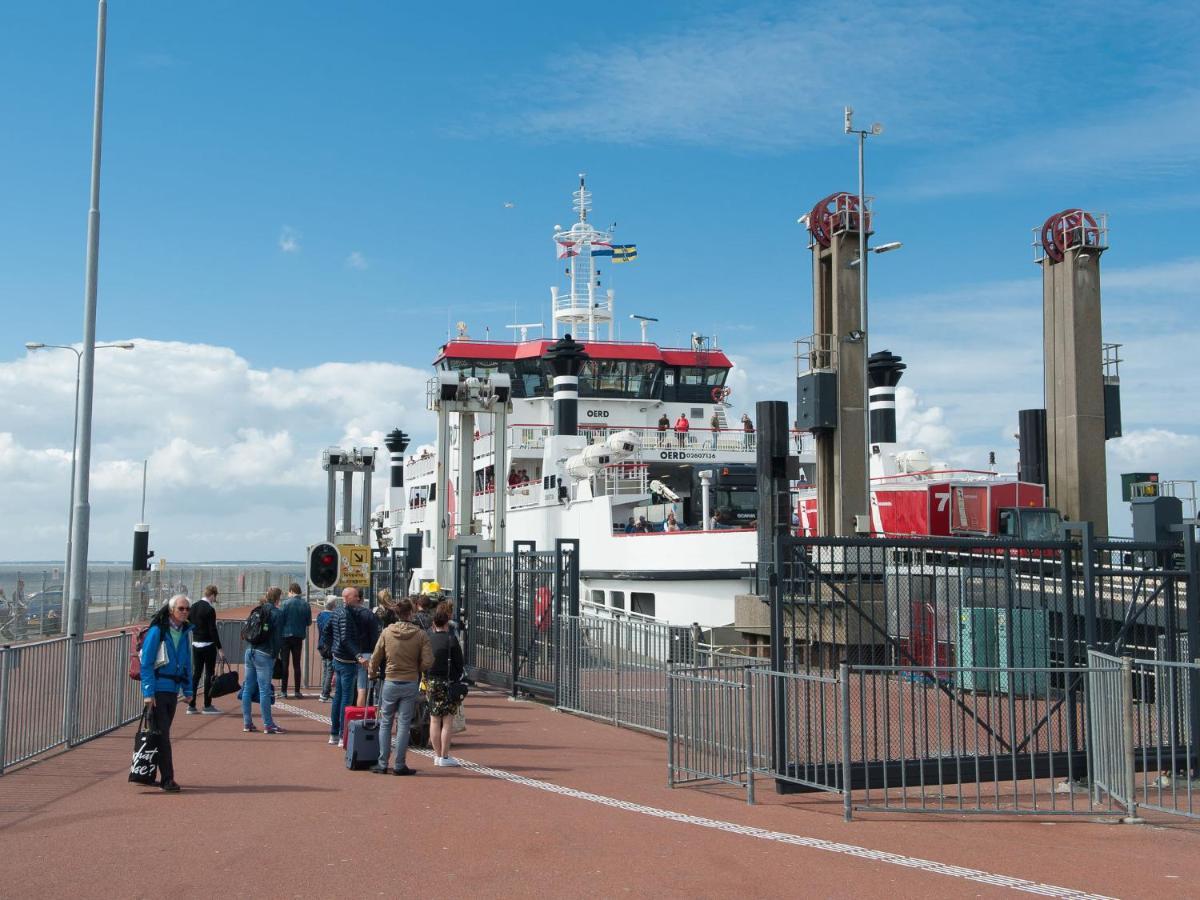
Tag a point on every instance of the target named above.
point(356, 566)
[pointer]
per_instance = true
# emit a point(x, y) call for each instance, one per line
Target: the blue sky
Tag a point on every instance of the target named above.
point(289, 188)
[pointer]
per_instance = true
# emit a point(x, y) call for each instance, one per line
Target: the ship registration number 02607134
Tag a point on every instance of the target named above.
point(686, 454)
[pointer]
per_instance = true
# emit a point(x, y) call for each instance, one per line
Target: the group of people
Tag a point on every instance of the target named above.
point(683, 426)
point(407, 644)
point(642, 526)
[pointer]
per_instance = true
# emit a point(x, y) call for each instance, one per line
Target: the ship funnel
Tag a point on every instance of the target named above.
point(883, 373)
point(566, 358)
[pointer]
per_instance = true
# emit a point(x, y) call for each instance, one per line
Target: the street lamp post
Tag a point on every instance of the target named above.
point(35, 345)
point(876, 129)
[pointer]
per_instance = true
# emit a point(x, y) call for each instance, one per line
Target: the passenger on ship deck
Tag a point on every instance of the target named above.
point(166, 671)
point(630, 527)
point(663, 424)
point(671, 524)
point(681, 429)
point(715, 424)
point(643, 527)
point(747, 431)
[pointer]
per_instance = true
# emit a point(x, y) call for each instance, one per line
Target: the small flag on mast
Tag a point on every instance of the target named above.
point(623, 253)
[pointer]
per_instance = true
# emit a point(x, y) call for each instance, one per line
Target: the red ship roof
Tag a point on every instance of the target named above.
point(487, 350)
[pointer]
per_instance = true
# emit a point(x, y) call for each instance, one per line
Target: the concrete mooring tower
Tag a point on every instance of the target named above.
point(1068, 248)
point(830, 391)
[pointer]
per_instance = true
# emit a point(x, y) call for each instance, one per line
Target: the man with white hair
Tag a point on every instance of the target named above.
point(166, 671)
point(331, 602)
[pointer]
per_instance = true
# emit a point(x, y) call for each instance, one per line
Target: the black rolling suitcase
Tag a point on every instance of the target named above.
point(362, 740)
point(418, 732)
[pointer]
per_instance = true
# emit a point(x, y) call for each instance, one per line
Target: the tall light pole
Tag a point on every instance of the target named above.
point(35, 345)
point(876, 129)
point(83, 408)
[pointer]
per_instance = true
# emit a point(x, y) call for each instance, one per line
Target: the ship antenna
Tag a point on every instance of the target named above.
point(583, 198)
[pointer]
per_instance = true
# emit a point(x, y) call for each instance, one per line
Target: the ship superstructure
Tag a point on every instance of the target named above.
point(655, 476)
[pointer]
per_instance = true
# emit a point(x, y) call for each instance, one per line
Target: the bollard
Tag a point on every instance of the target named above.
point(748, 700)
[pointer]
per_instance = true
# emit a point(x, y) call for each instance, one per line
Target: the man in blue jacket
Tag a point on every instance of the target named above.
point(166, 671)
point(350, 634)
point(297, 617)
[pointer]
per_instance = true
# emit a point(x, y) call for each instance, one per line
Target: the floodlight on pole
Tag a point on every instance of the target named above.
point(643, 321)
point(38, 345)
point(876, 129)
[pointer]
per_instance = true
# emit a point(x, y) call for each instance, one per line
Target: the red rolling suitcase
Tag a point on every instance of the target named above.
point(360, 712)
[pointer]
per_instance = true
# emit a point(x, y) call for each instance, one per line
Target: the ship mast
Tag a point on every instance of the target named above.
point(583, 303)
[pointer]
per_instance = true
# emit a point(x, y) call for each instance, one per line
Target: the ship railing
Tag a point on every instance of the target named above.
point(817, 353)
point(621, 479)
point(734, 440)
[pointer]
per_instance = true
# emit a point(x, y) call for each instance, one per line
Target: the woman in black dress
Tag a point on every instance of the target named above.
point(447, 669)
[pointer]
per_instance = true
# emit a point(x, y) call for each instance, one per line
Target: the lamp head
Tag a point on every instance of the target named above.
point(33, 345)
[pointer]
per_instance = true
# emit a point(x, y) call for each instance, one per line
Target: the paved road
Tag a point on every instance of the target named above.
point(555, 806)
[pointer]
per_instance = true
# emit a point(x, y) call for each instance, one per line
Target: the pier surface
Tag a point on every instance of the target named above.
point(552, 806)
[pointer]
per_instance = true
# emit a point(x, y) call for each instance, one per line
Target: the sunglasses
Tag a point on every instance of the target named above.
point(182, 608)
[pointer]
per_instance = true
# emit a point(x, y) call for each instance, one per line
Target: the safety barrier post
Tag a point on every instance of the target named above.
point(5, 653)
point(670, 731)
point(844, 695)
point(748, 700)
point(1127, 741)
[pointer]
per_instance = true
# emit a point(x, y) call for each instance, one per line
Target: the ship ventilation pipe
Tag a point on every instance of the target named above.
point(883, 373)
point(566, 358)
point(1032, 465)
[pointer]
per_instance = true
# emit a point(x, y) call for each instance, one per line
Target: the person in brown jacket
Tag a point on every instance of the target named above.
point(404, 652)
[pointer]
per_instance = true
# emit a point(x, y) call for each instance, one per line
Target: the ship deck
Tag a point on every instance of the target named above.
point(549, 805)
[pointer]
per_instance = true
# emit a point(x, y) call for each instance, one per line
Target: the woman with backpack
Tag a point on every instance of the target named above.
point(444, 684)
point(263, 634)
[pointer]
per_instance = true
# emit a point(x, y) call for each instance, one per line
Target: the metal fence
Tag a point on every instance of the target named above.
point(510, 606)
point(616, 669)
point(710, 727)
point(31, 600)
point(1162, 730)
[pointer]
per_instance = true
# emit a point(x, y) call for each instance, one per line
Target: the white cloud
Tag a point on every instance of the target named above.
point(289, 239)
point(356, 260)
point(233, 451)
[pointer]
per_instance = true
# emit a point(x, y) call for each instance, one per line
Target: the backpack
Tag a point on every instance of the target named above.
point(257, 627)
point(136, 639)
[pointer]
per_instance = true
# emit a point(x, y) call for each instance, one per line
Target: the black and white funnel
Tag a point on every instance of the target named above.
point(566, 358)
point(883, 374)
point(397, 443)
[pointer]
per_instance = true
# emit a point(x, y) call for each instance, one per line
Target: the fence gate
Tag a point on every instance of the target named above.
point(511, 604)
point(389, 569)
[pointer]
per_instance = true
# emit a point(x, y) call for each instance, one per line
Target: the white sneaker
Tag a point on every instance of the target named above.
point(333, 740)
point(449, 761)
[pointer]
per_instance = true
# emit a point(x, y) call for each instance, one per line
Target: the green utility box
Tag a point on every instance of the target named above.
point(1023, 639)
point(977, 646)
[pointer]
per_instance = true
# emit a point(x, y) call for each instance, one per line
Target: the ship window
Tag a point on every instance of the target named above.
point(705, 376)
point(616, 599)
point(643, 379)
point(598, 597)
point(641, 603)
point(479, 368)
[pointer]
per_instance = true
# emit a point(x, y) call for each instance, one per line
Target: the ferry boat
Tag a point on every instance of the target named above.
point(656, 478)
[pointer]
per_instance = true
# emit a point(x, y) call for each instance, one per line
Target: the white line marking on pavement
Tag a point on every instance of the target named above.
point(909, 862)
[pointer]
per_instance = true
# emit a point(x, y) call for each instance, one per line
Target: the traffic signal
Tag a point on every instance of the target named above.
point(324, 565)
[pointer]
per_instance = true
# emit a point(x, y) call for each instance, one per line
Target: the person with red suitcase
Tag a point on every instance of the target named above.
point(351, 634)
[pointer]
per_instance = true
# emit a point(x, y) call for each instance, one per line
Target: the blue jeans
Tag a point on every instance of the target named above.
point(259, 666)
point(326, 677)
point(402, 694)
point(344, 691)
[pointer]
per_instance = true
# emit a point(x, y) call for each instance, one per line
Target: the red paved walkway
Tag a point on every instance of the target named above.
point(280, 816)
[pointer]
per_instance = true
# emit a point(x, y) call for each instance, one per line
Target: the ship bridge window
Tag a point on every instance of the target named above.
point(641, 603)
point(473, 368)
point(618, 378)
point(529, 378)
point(695, 383)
